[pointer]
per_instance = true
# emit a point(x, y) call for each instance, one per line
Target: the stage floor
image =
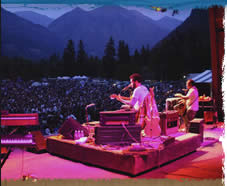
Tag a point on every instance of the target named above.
point(205, 163)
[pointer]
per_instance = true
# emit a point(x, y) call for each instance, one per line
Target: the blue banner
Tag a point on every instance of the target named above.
point(171, 4)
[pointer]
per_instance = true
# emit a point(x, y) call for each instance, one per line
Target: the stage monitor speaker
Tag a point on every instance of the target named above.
point(40, 142)
point(69, 126)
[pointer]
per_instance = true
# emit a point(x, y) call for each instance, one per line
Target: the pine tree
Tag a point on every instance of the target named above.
point(53, 63)
point(109, 51)
point(69, 58)
point(81, 55)
point(123, 53)
point(109, 59)
point(145, 55)
point(136, 57)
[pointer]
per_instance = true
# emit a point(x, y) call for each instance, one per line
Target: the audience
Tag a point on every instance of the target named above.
point(56, 99)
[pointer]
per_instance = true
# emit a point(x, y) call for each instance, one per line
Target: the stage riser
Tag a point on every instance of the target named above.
point(131, 163)
point(172, 152)
point(91, 156)
point(180, 148)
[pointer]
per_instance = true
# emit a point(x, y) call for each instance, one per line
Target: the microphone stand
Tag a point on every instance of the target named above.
point(86, 115)
point(87, 122)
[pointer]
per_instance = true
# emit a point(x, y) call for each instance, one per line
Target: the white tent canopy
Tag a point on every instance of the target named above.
point(63, 78)
point(204, 77)
point(36, 84)
point(80, 77)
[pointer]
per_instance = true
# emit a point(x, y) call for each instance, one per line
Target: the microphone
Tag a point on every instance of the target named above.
point(127, 87)
point(90, 105)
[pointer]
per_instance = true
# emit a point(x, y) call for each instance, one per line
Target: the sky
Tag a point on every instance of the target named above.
point(56, 10)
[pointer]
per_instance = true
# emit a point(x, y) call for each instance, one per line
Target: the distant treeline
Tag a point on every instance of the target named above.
point(167, 61)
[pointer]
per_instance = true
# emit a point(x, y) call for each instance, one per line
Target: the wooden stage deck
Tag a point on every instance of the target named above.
point(128, 160)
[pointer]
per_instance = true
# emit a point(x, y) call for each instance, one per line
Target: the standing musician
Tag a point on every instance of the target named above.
point(139, 92)
point(141, 100)
point(191, 103)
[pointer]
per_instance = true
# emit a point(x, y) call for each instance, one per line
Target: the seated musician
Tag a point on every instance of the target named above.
point(191, 103)
point(137, 101)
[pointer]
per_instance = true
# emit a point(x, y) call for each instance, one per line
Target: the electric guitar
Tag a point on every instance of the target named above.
point(115, 96)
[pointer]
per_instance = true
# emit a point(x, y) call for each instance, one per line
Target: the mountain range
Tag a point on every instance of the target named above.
point(96, 27)
point(20, 37)
point(34, 36)
point(187, 47)
point(35, 17)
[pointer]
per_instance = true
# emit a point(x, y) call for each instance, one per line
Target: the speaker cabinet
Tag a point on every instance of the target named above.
point(117, 135)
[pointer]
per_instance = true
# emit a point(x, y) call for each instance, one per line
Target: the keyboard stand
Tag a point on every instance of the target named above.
point(5, 157)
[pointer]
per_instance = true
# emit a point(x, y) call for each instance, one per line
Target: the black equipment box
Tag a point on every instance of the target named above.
point(196, 126)
point(117, 135)
point(117, 117)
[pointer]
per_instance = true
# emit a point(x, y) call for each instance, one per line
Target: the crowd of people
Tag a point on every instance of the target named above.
point(58, 98)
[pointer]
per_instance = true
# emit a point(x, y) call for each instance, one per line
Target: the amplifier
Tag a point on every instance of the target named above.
point(169, 122)
point(209, 117)
point(117, 135)
point(117, 117)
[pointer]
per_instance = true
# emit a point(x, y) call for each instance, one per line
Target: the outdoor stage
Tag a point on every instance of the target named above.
point(204, 163)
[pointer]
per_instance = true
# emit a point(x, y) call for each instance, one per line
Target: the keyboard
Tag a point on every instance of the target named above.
point(20, 119)
point(17, 140)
